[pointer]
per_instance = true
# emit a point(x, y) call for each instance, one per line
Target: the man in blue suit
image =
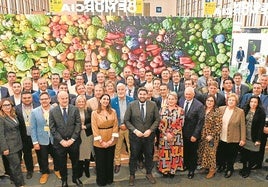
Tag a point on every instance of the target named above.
point(120, 104)
point(193, 123)
point(41, 137)
point(42, 85)
point(3, 92)
point(240, 55)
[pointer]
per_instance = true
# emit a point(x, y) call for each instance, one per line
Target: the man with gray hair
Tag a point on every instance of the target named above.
point(193, 124)
point(120, 103)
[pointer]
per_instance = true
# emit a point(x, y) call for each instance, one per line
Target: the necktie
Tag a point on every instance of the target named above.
point(129, 92)
point(237, 91)
point(142, 111)
point(176, 88)
point(65, 116)
point(186, 107)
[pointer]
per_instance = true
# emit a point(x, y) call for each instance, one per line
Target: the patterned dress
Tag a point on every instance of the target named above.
point(212, 127)
point(170, 153)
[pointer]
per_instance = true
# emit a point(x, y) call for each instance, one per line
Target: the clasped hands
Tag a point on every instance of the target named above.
point(66, 143)
point(106, 144)
point(147, 133)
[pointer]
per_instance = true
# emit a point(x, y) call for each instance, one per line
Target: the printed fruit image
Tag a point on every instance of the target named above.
point(54, 43)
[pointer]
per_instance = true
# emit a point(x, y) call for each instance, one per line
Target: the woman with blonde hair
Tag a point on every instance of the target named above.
point(232, 136)
point(86, 146)
point(10, 140)
point(171, 142)
point(110, 88)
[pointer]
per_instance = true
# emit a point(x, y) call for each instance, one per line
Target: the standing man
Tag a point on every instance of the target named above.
point(65, 127)
point(120, 104)
point(88, 75)
point(55, 81)
point(35, 73)
point(225, 72)
point(42, 87)
point(239, 88)
point(11, 78)
point(202, 81)
point(240, 55)
point(176, 85)
point(141, 118)
point(41, 137)
point(23, 112)
point(193, 124)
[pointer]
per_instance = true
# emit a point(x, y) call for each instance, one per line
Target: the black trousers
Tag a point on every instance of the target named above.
point(248, 156)
point(44, 151)
point(104, 165)
point(227, 153)
point(26, 153)
point(61, 154)
point(15, 169)
point(190, 154)
point(146, 145)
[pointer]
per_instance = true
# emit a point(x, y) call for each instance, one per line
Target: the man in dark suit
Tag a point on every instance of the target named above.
point(225, 72)
point(264, 84)
point(240, 56)
point(141, 118)
point(239, 88)
point(23, 112)
point(42, 87)
point(88, 75)
point(65, 127)
point(62, 87)
point(193, 124)
point(213, 90)
point(66, 78)
point(175, 85)
point(197, 95)
point(55, 81)
point(3, 92)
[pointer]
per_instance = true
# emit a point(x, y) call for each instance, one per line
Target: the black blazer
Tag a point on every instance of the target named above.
point(10, 138)
point(258, 123)
point(220, 99)
point(93, 78)
point(61, 131)
point(4, 92)
point(194, 120)
point(88, 130)
point(171, 86)
point(197, 95)
point(72, 81)
point(18, 110)
point(218, 79)
point(54, 99)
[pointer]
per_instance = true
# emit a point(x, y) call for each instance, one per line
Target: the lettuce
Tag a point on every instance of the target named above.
point(38, 19)
point(23, 62)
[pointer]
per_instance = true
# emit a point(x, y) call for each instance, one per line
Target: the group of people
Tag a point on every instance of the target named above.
point(190, 120)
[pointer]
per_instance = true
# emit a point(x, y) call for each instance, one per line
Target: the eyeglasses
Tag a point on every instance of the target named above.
point(6, 105)
point(210, 100)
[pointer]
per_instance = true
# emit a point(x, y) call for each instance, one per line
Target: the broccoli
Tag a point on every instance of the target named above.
point(207, 23)
point(222, 58)
point(227, 23)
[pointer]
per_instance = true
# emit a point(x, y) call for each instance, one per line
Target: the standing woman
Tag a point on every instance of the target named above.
point(170, 143)
point(86, 146)
point(210, 136)
point(255, 121)
point(232, 136)
point(10, 140)
point(105, 131)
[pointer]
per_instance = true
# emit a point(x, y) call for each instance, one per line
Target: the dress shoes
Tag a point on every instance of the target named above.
point(78, 182)
point(131, 180)
point(190, 175)
point(43, 179)
point(57, 173)
point(211, 173)
point(117, 168)
point(29, 174)
point(228, 174)
point(150, 178)
point(64, 184)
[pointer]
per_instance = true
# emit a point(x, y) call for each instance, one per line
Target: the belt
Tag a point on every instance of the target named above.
point(105, 127)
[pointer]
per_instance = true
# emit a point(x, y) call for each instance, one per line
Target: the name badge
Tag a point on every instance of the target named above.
point(27, 123)
point(46, 128)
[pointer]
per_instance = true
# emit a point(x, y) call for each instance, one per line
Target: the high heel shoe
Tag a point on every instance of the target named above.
point(211, 173)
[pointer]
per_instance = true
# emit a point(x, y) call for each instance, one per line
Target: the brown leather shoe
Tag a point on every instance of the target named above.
point(211, 173)
point(57, 173)
point(43, 179)
point(150, 178)
point(117, 168)
point(131, 180)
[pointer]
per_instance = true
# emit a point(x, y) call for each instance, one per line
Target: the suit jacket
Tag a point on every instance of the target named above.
point(72, 102)
point(218, 79)
point(243, 90)
point(38, 123)
point(20, 117)
point(197, 96)
point(13, 100)
point(93, 78)
point(194, 120)
point(10, 138)
point(115, 105)
point(88, 130)
point(71, 80)
point(236, 130)
point(171, 86)
point(240, 55)
point(246, 97)
point(133, 118)
point(54, 99)
point(158, 103)
point(60, 130)
point(4, 92)
point(36, 95)
point(220, 99)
